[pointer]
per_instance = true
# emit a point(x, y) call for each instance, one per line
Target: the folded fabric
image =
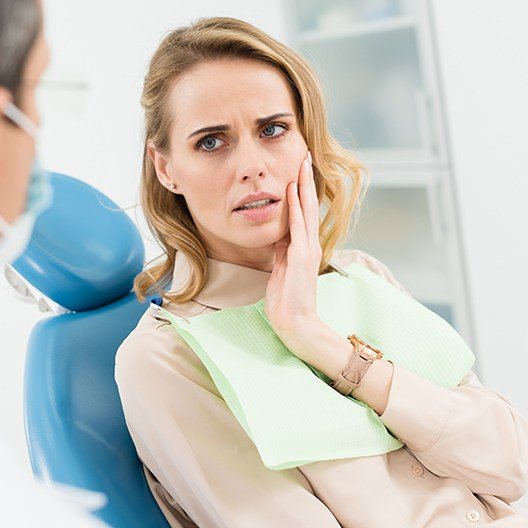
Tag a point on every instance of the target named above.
point(293, 416)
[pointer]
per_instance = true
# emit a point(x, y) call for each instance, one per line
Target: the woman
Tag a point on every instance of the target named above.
point(231, 113)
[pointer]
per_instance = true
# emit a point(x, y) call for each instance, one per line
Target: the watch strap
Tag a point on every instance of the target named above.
point(352, 374)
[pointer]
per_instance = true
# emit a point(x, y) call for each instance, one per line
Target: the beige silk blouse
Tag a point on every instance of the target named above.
point(464, 460)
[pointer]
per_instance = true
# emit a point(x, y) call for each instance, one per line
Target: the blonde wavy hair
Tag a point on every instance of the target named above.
point(338, 173)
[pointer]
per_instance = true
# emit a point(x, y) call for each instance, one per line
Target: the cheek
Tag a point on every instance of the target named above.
point(205, 196)
point(289, 164)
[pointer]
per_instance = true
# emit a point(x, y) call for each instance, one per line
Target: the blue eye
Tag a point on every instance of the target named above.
point(209, 138)
point(206, 140)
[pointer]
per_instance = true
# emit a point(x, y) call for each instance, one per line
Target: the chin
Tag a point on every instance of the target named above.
point(261, 236)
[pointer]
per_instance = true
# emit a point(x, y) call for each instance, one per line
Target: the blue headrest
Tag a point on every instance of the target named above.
point(85, 251)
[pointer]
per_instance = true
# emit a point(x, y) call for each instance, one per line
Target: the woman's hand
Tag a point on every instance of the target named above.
point(290, 301)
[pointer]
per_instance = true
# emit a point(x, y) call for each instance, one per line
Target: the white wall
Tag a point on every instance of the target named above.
point(483, 53)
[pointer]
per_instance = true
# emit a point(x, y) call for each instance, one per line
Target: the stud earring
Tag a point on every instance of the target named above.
point(172, 186)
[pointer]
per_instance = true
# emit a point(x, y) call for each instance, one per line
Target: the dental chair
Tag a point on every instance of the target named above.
point(82, 259)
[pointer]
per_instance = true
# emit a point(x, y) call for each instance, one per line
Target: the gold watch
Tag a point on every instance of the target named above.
point(362, 357)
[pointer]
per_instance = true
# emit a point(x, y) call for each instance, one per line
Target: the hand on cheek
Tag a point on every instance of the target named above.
point(290, 301)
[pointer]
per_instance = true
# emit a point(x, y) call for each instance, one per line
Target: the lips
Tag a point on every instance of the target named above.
point(258, 214)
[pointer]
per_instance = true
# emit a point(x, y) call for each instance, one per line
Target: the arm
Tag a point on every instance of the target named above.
point(186, 435)
point(468, 432)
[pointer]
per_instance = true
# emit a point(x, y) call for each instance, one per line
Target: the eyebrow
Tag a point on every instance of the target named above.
point(260, 121)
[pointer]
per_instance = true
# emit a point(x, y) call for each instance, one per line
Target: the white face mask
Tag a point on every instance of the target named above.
point(16, 236)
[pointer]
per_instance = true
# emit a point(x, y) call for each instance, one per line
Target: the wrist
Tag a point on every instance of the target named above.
point(319, 345)
point(375, 385)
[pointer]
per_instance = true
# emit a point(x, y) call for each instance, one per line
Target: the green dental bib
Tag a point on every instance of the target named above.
point(293, 416)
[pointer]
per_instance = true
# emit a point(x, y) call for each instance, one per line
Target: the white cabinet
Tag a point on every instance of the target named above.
point(379, 75)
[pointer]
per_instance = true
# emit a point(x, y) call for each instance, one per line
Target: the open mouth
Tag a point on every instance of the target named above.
point(245, 208)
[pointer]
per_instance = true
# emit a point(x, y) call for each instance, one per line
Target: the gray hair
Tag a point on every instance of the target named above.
point(20, 22)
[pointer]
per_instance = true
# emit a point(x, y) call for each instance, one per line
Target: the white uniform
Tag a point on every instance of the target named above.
point(26, 502)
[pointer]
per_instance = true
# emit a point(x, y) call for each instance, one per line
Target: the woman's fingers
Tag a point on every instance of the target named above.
point(310, 204)
point(297, 229)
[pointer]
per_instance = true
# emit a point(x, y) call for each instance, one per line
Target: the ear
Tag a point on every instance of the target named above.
point(160, 162)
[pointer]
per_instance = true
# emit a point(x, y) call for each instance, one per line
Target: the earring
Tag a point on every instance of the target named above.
point(172, 186)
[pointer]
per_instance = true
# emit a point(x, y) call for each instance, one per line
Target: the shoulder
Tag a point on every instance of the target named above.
point(153, 351)
point(344, 257)
point(145, 346)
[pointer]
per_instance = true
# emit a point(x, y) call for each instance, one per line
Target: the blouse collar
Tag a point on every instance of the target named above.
point(228, 285)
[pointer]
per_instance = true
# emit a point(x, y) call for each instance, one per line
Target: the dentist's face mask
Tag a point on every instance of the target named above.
point(15, 237)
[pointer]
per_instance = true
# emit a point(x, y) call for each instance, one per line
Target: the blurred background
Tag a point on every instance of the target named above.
point(429, 94)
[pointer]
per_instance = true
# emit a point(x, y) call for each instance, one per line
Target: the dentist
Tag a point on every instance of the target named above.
point(25, 191)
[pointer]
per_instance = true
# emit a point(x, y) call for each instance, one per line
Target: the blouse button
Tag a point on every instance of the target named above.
point(417, 471)
point(473, 515)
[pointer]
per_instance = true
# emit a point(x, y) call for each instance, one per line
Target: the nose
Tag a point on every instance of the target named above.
point(251, 159)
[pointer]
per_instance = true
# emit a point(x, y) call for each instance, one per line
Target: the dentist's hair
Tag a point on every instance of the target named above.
point(338, 173)
point(20, 22)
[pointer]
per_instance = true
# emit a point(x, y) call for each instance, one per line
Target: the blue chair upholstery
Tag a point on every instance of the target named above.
point(84, 255)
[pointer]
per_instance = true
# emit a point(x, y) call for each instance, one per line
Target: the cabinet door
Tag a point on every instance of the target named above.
point(368, 57)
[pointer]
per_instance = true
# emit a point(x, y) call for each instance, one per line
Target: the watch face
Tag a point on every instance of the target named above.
point(366, 349)
point(370, 352)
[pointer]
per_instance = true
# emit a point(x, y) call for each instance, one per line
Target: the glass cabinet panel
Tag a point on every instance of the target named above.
point(366, 52)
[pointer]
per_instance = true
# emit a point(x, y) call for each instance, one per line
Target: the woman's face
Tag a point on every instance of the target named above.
point(214, 170)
